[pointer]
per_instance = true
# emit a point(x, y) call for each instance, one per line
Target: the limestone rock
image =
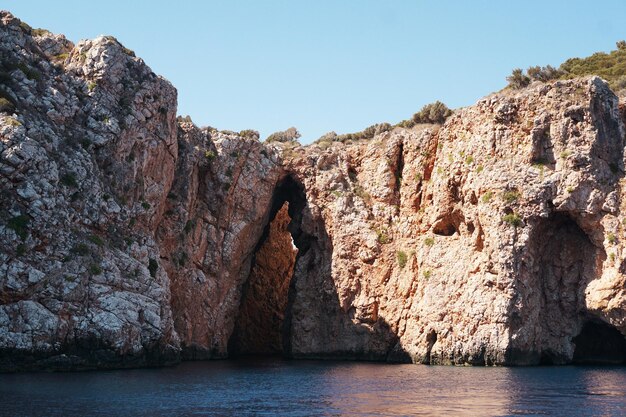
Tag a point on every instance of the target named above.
point(132, 238)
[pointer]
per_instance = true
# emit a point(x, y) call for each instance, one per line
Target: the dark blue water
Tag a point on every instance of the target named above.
point(274, 387)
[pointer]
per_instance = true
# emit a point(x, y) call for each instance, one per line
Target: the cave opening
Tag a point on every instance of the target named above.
point(263, 322)
point(565, 261)
point(599, 343)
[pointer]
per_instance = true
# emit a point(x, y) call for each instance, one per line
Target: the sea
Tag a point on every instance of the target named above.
point(280, 387)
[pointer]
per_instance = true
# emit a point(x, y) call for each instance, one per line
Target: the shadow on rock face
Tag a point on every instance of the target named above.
point(290, 305)
point(599, 343)
point(551, 324)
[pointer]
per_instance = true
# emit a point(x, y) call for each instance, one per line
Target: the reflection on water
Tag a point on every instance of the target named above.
point(310, 388)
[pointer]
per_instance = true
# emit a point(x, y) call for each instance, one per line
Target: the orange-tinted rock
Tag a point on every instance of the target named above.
point(129, 238)
point(260, 325)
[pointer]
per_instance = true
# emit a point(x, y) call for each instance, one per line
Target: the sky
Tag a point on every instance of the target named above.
point(333, 65)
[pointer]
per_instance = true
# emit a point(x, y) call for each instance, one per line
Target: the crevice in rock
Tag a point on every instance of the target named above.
point(599, 343)
point(431, 339)
point(542, 149)
point(263, 323)
point(399, 167)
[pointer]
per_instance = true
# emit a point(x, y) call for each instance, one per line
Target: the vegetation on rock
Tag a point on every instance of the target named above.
point(610, 66)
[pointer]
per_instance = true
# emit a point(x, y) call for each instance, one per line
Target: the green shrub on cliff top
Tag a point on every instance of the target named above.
point(436, 112)
point(286, 136)
point(610, 66)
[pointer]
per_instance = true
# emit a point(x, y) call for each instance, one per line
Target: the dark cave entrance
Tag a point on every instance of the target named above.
point(263, 323)
point(566, 261)
point(599, 343)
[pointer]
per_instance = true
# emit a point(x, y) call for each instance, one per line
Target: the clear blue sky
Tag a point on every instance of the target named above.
point(323, 65)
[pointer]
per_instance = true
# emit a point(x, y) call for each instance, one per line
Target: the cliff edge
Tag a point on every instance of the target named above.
point(132, 238)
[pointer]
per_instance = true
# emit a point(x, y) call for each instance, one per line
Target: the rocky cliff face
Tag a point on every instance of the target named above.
point(132, 239)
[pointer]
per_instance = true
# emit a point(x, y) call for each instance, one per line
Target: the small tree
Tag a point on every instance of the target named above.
point(249, 133)
point(289, 135)
point(621, 45)
point(376, 129)
point(518, 79)
point(544, 74)
point(436, 112)
point(327, 137)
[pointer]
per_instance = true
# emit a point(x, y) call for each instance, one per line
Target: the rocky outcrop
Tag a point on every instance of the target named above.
point(131, 238)
point(216, 212)
point(484, 242)
point(85, 158)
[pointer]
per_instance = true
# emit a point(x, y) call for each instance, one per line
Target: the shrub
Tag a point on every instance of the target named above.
point(544, 74)
point(487, 197)
point(382, 237)
point(327, 138)
point(30, 73)
point(69, 180)
point(376, 129)
point(145, 205)
point(85, 143)
point(153, 266)
point(97, 240)
point(510, 196)
point(429, 241)
point(407, 124)
point(249, 133)
point(427, 274)
point(6, 106)
point(20, 250)
point(436, 112)
point(289, 135)
point(183, 259)
point(26, 27)
point(368, 133)
point(402, 258)
point(184, 119)
point(80, 249)
point(611, 238)
point(12, 122)
point(19, 224)
point(620, 83)
point(95, 269)
point(209, 155)
point(518, 79)
point(513, 219)
point(359, 191)
point(39, 32)
point(611, 66)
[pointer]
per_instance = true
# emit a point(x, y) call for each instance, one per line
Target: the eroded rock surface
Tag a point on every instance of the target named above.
point(131, 238)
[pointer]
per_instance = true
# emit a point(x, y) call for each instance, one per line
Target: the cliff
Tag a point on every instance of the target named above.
point(130, 238)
